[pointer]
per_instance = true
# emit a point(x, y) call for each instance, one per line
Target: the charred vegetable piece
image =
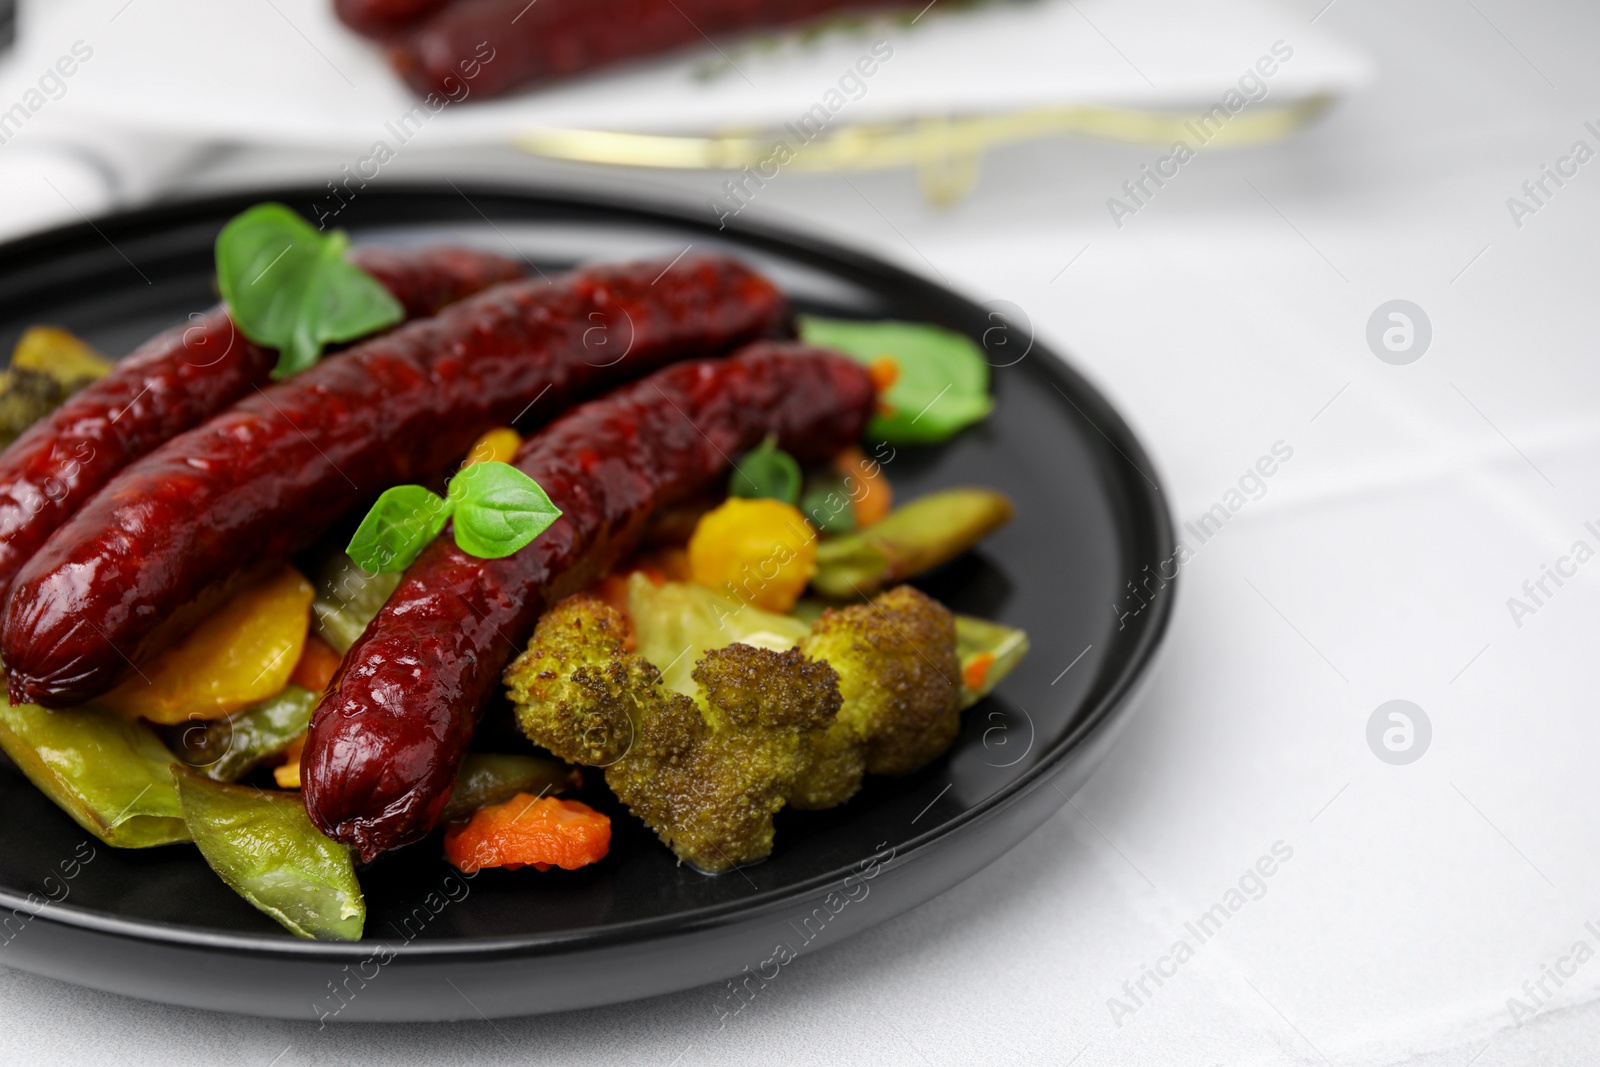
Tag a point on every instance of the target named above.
point(109, 773)
point(266, 848)
point(492, 779)
point(677, 623)
point(347, 599)
point(47, 366)
point(761, 551)
point(541, 832)
point(242, 653)
point(225, 750)
point(988, 652)
point(915, 538)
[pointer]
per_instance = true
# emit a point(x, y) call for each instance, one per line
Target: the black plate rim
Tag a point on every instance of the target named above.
point(1091, 405)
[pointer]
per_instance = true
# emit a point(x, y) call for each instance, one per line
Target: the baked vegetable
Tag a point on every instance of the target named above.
point(240, 654)
point(488, 778)
point(527, 830)
point(913, 538)
point(47, 366)
point(706, 774)
point(107, 772)
point(265, 848)
point(870, 686)
point(225, 750)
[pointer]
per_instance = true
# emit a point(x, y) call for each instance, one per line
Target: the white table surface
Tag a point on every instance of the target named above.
point(1226, 316)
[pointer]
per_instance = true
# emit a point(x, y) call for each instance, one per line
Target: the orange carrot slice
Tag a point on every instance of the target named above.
point(976, 670)
point(319, 662)
point(871, 498)
point(527, 830)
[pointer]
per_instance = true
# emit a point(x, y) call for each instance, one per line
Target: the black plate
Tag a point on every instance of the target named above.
point(159, 924)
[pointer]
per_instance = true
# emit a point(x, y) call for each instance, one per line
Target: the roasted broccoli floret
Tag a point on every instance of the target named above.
point(874, 686)
point(577, 688)
point(898, 674)
point(709, 780)
point(706, 775)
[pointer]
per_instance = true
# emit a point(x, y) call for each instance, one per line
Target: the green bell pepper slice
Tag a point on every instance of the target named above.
point(107, 772)
point(266, 848)
point(486, 778)
point(225, 750)
point(912, 539)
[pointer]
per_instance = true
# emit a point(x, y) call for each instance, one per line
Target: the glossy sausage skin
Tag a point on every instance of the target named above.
point(269, 475)
point(175, 382)
point(498, 45)
point(387, 740)
point(379, 18)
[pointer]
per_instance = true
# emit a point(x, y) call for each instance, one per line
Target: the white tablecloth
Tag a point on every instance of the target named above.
point(1227, 316)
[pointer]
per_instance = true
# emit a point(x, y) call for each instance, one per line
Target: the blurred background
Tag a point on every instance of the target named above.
point(1359, 256)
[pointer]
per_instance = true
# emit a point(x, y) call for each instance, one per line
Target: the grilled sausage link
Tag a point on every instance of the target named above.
point(387, 739)
point(176, 381)
point(498, 45)
point(269, 475)
point(379, 18)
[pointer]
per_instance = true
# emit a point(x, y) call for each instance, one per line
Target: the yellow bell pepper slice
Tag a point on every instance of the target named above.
point(759, 550)
point(496, 446)
point(243, 653)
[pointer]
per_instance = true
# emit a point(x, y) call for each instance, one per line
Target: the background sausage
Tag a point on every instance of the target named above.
point(386, 741)
point(176, 381)
point(498, 45)
point(378, 18)
point(269, 475)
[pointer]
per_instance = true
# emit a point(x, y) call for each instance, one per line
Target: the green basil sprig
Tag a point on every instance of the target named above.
point(497, 511)
point(289, 287)
point(942, 381)
point(766, 471)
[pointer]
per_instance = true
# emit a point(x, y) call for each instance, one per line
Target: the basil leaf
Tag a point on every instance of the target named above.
point(942, 381)
point(766, 472)
point(498, 510)
point(399, 526)
point(289, 287)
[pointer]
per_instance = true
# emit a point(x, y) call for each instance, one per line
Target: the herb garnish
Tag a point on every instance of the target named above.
point(766, 472)
point(289, 287)
point(497, 510)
